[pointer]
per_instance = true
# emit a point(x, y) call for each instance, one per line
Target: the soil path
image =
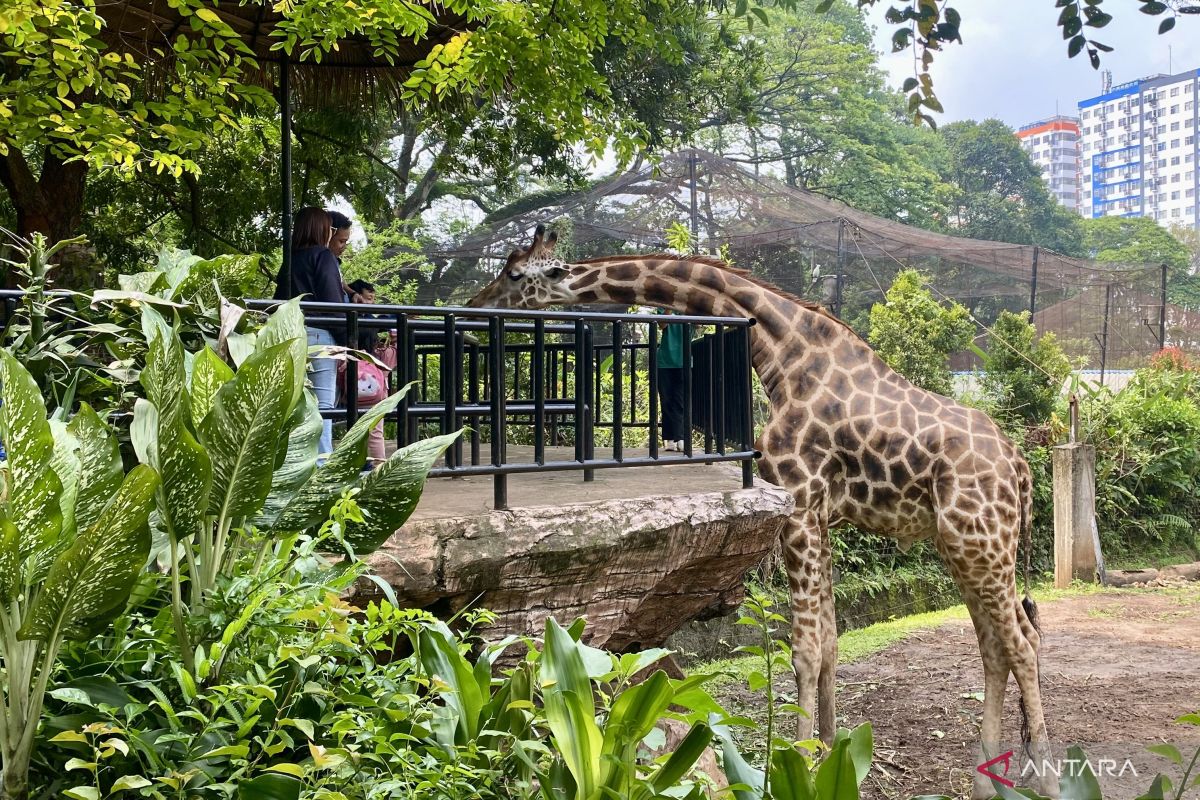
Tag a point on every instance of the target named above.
point(1117, 669)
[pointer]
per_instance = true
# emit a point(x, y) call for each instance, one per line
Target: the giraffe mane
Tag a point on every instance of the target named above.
point(722, 264)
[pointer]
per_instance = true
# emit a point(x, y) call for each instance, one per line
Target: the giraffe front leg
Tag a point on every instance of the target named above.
point(802, 546)
point(827, 677)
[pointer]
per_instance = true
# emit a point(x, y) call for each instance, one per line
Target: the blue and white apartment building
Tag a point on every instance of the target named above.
point(1139, 150)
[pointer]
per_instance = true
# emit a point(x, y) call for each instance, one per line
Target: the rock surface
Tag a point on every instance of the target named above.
point(638, 569)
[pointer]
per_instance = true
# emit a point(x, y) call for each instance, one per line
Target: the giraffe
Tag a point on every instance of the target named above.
point(854, 442)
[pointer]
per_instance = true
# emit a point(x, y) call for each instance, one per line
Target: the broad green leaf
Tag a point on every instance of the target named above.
point(299, 462)
point(230, 751)
point(440, 658)
point(209, 374)
point(311, 504)
point(242, 430)
point(1077, 781)
point(82, 793)
point(270, 786)
point(746, 781)
point(791, 778)
point(570, 708)
point(391, 491)
point(1167, 751)
point(286, 325)
point(686, 754)
point(634, 714)
point(33, 488)
point(146, 282)
point(10, 559)
point(861, 749)
point(1159, 789)
point(92, 577)
point(100, 464)
point(119, 295)
point(836, 779)
point(130, 782)
point(66, 466)
point(181, 461)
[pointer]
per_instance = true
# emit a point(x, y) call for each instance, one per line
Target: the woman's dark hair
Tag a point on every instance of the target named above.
point(359, 286)
point(311, 229)
point(339, 220)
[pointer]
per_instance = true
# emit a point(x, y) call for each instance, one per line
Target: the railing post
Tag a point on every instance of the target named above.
point(473, 395)
point(719, 390)
point(581, 406)
point(653, 368)
point(748, 416)
point(351, 392)
point(618, 373)
point(687, 390)
point(402, 379)
point(496, 363)
point(589, 438)
point(538, 383)
point(448, 367)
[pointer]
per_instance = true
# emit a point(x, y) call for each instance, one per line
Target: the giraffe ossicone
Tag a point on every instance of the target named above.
point(855, 443)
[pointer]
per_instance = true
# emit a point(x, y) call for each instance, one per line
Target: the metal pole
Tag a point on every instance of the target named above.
point(841, 269)
point(1033, 284)
point(285, 136)
point(1104, 331)
point(692, 184)
point(1162, 311)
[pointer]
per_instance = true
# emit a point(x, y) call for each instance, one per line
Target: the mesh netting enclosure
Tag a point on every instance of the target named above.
point(1104, 314)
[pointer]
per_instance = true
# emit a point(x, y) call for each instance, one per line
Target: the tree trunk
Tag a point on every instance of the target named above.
point(50, 204)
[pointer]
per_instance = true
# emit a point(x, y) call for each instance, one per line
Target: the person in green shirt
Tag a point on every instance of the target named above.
point(671, 351)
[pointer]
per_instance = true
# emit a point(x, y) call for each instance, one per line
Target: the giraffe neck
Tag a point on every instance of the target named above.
point(788, 335)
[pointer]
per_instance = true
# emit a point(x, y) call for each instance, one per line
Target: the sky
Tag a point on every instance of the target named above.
point(1013, 63)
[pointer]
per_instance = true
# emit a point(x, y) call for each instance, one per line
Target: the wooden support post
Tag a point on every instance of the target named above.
point(1075, 547)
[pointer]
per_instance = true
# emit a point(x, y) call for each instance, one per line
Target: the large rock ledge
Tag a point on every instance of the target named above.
point(638, 568)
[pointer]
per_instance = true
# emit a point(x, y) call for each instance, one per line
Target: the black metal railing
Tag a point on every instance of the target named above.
point(548, 379)
point(559, 386)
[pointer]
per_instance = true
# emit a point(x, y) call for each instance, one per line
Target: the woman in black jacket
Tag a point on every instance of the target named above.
point(315, 276)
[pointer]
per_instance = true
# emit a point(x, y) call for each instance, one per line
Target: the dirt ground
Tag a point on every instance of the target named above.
point(1117, 669)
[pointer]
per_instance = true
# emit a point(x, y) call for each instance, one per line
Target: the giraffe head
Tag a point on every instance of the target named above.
point(533, 277)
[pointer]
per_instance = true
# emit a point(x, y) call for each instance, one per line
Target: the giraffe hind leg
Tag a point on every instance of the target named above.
point(802, 553)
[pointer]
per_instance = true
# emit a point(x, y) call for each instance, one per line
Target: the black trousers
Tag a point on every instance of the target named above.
point(670, 394)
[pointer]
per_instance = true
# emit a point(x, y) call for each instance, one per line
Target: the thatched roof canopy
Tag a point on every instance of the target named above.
point(353, 72)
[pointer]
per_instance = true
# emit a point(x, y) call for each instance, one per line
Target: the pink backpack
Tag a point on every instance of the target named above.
point(372, 384)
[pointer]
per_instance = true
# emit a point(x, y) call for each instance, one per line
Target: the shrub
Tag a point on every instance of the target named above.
point(915, 334)
point(1023, 373)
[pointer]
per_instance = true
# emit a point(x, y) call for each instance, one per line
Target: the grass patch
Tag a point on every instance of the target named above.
point(865, 642)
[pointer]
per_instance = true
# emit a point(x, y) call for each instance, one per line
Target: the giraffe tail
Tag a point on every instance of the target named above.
point(1028, 607)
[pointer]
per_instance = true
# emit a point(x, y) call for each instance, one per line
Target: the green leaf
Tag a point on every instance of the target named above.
point(286, 326)
point(241, 432)
point(270, 786)
point(391, 491)
point(633, 715)
point(299, 461)
point(311, 504)
point(1158, 790)
point(66, 466)
point(33, 488)
point(440, 658)
point(10, 559)
point(100, 464)
point(230, 751)
point(836, 779)
point(92, 578)
point(861, 749)
point(686, 754)
point(126, 782)
point(1077, 781)
point(183, 463)
point(209, 374)
point(791, 778)
point(1075, 46)
point(569, 707)
point(83, 793)
point(1168, 751)
point(747, 782)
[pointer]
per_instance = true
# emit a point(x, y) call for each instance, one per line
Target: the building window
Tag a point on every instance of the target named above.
point(1190, 193)
point(1162, 129)
point(1162, 146)
point(1190, 211)
point(1175, 195)
point(1174, 126)
point(1174, 161)
point(1174, 91)
point(1175, 108)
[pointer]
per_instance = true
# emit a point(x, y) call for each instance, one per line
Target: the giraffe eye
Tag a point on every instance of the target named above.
point(515, 276)
point(556, 273)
